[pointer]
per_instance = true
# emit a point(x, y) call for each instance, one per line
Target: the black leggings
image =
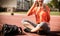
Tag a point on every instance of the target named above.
point(33, 24)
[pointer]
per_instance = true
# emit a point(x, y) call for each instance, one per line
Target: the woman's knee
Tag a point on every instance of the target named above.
point(43, 23)
point(24, 22)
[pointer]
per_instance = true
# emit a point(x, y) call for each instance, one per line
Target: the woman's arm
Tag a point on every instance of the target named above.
point(38, 27)
point(35, 29)
point(30, 10)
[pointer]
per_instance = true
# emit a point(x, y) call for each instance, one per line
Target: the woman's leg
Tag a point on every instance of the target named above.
point(1, 30)
point(28, 24)
point(45, 28)
point(1, 27)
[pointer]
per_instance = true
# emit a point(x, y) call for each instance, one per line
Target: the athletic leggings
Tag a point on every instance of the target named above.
point(42, 24)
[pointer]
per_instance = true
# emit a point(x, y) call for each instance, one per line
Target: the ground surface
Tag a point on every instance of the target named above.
point(16, 20)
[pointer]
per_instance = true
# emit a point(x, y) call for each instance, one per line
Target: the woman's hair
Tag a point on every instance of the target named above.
point(37, 4)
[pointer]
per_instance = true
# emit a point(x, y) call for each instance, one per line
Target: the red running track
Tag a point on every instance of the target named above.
point(16, 20)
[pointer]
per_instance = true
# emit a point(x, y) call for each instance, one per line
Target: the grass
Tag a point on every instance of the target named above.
point(54, 13)
point(51, 13)
point(15, 12)
point(21, 12)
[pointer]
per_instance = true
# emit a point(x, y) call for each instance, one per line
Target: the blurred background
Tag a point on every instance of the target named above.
point(13, 7)
point(22, 6)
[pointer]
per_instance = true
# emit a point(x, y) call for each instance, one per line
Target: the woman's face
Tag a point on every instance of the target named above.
point(40, 2)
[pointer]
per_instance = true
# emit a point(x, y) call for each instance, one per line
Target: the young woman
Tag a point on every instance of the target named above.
point(41, 12)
